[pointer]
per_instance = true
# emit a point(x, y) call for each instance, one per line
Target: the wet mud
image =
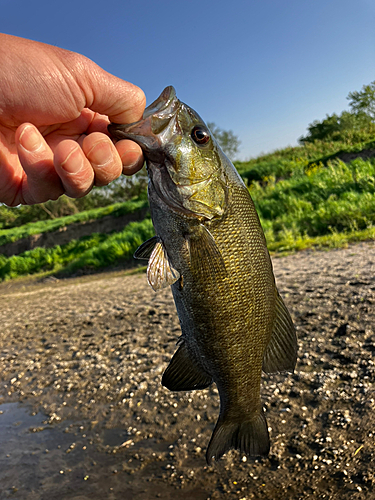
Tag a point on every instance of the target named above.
point(83, 414)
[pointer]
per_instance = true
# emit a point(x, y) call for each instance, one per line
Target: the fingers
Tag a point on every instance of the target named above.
point(131, 156)
point(72, 167)
point(99, 162)
point(103, 158)
point(108, 160)
point(41, 182)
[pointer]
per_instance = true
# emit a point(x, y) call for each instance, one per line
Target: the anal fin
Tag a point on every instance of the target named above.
point(281, 353)
point(183, 374)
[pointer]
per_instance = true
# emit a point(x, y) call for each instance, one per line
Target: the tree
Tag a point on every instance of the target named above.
point(349, 124)
point(228, 142)
point(337, 127)
point(364, 100)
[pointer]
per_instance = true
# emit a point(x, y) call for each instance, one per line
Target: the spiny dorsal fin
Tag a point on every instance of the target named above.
point(160, 272)
point(145, 250)
point(281, 353)
point(250, 437)
point(205, 256)
point(182, 374)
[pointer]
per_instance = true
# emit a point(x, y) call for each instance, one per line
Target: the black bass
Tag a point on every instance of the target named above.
point(210, 247)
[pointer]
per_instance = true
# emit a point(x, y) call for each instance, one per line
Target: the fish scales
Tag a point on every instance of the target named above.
point(213, 299)
point(210, 248)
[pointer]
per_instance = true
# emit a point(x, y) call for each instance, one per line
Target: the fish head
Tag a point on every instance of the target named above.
point(184, 161)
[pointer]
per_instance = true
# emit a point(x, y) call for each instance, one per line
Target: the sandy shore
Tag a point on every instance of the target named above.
point(83, 414)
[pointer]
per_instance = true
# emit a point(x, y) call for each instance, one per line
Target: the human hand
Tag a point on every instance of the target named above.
point(55, 106)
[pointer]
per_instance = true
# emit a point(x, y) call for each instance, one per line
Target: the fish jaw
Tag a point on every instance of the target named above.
point(148, 132)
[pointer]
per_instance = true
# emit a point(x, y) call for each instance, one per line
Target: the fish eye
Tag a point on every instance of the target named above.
point(200, 135)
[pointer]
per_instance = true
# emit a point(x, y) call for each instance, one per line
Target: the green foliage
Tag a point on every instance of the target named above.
point(281, 164)
point(315, 205)
point(228, 142)
point(348, 126)
point(16, 233)
point(119, 246)
point(17, 216)
point(344, 127)
point(319, 194)
point(306, 196)
point(337, 198)
point(363, 102)
point(92, 252)
point(122, 189)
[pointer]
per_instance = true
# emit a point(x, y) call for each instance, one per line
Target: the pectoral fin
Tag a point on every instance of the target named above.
point(281, 352)
point(183, 374)
point(205, 256)
point(160, 272)
point(145, 250)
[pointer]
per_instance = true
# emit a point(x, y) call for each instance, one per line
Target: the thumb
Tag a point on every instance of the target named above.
point(108, 95)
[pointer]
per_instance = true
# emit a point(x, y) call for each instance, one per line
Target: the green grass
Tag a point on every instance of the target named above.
point(17, 233)
point(290, 243)
point(306, 197)
point(93, 252)
point(338, 198)
point(282, 164)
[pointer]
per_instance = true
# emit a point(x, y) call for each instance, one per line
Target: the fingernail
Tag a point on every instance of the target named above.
point(101, 154)
point(73, 162)
point(30, 139)
point(131, 162)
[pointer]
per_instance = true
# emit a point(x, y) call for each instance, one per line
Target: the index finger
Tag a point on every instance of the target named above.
point(108, 95)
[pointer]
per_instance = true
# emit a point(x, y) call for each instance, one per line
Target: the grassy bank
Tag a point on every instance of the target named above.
point(39, 227)
point(306, 197)
point(323, 202)
point(89, 253)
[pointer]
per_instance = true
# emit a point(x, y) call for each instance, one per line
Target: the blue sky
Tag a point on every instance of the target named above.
point(263, 68)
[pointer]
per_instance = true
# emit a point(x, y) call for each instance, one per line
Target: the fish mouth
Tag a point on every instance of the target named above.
point(150, 131)
point(164, 105)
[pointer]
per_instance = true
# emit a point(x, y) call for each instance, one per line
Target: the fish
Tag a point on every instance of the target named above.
point(210, 248)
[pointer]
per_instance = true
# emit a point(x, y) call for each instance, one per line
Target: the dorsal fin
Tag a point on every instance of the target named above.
point(281, 353)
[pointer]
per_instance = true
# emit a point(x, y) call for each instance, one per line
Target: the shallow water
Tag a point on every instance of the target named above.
point(38, 460)
point(32, 454)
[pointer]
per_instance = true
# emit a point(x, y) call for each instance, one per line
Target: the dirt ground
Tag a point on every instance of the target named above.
point(83, 414)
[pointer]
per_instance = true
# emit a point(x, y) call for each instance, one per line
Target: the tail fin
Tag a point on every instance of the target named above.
point(250, 437)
